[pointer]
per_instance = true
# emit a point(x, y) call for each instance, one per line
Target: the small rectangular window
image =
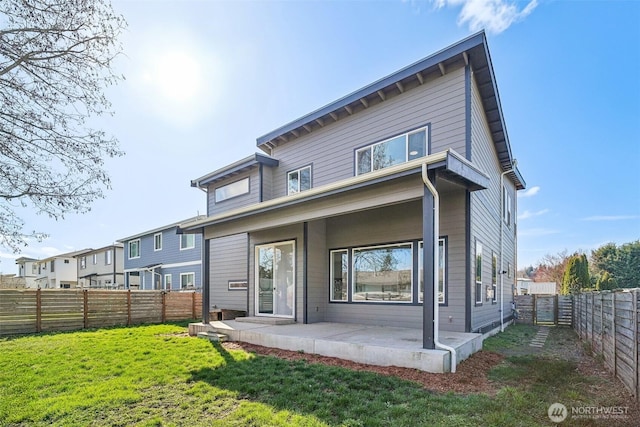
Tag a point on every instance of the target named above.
point(53, 266)
point(187, 241)
point(494, 277)
point(95, 259)
point(157, 241)
point(232, 190)
point(299, 180)
point(478, 272)
point(506, 206)
point(235, 285)
point(83, 262)
point(107, 257)
point(339, 275)
point(168, 279)
point(134, 249)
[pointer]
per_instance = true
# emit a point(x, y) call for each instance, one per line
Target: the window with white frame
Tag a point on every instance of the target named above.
point(83, 262)
point(134, 249)
point(383, 273)
point(442, 270)
point(168, 278)
point(506, 206)
point(494, 277)
point(299, 180)
point(53, 265)
point(108, 257)
point(95, 259)
point(187, 241)
point(339, 271)
point(478, 272)
point(187, 280)
point(237, 285)
point(232, 190)
point(392, 151)
point(157, 242)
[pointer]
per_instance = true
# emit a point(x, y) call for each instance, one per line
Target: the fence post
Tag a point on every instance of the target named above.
point(193, 305)
point(534, 315)
point(555, 309)
point(164, 306)
point(85, 309)
point(38, 310)
point(593, 318)
point(129, 307)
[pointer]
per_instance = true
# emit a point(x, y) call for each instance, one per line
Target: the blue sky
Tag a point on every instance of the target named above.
point(205, 79)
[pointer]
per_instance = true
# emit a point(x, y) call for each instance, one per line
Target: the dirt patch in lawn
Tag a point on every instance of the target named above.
point(470, 375)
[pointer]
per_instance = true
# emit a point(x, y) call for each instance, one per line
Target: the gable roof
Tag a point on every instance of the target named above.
point(234, 169)
point(159, 229)
point(472, 50)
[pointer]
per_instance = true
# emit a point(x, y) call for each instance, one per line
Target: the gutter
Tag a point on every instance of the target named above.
point(436, 234)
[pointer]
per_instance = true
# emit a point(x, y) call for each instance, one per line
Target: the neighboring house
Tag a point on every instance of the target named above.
point(162, 259)
point(59, 271)
point(28, 269)
point(529, 287)
point(101, 268)
point(330, 224)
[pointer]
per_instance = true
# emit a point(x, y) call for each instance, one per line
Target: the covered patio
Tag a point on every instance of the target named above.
point(374, 345)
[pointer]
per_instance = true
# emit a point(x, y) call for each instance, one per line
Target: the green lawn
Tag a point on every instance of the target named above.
point(156, 376)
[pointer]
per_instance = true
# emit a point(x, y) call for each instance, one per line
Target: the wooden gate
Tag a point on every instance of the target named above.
point(545, 309)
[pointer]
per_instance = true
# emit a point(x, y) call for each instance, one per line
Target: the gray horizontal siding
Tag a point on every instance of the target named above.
point(486, 217)
point(331, 149)
point(228, 261)
point(317, 271)
point(169, 254)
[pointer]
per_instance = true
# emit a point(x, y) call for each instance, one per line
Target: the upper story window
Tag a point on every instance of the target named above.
point(53, 266)
point(107, 257)
point(134, 249)
point(83, 262)
point(232, 190)
point(187, 241)
point(34, 269)
point(393, 151)
point(299, 180)
point(95, 259)
point(478, 274)
point(506, 206)
point(157, 242)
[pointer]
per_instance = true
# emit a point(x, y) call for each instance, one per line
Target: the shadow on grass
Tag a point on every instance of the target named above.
point(331, 394)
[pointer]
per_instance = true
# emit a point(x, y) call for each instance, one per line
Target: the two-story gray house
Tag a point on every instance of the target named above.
point(161, 259)
point(388, 205)
point(101, 268)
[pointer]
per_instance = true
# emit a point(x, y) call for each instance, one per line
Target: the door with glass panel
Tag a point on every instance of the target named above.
point(275, 279)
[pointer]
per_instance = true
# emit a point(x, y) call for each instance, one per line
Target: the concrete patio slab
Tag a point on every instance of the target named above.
point(376, 345)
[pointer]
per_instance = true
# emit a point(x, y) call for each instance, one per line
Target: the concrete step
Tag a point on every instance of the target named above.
point(213, 336)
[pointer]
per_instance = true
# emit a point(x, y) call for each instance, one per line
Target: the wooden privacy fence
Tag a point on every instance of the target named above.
point(544, 309)
point(609, 322)
point(26, 311)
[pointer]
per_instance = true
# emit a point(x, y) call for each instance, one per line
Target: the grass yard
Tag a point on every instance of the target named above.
point(158, 376)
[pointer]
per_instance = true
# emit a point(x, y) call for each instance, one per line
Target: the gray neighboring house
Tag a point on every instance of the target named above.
point(329, 223)
point(101, 268)
point(161, 259)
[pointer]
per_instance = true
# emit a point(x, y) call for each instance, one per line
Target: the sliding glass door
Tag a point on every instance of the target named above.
point(275, 279)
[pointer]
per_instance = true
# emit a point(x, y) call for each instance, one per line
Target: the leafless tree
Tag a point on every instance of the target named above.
point(56, 59)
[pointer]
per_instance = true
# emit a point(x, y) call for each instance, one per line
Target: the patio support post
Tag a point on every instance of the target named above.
point(428, 324)
point(205, 279)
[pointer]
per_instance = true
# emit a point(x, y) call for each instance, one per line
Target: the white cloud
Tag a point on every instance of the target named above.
point(530, 192)
point(529, 214)
point(611, 217)
point(493, 15)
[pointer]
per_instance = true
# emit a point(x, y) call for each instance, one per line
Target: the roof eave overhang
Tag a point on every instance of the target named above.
point(448, 164)
point(234, 169)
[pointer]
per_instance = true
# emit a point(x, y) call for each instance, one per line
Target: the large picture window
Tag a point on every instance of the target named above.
point(393, 151)
point(299, 180)
point(442, 270)
point(339, 275)
point(383, 273)
point(234, 189)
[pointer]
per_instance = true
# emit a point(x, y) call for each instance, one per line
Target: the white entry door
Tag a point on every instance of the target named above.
point(275, 279)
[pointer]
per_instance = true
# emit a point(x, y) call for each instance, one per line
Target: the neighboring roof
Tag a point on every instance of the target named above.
point(68, 254)
point(234, 169)
point(115, 245)
point(24, 259)
point(158, 229)
point(471, 50)
point(452, 165)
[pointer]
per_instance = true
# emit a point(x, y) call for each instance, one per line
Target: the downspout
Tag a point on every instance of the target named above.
point(502, 272)
point(436, 254)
